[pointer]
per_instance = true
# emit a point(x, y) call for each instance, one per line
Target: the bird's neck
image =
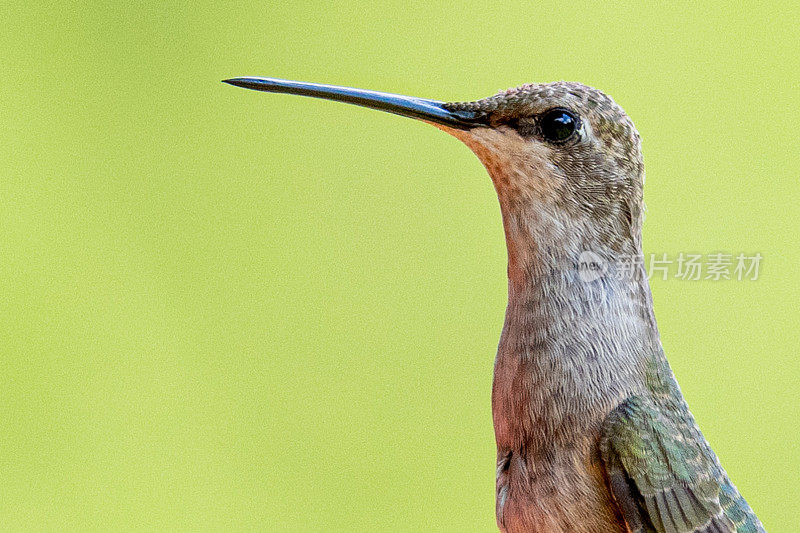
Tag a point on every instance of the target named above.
point(584, 303)
point(564, 279)
point(569, 331)
point(564, 273)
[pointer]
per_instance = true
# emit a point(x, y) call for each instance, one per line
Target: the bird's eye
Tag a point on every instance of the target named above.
point(558, 125)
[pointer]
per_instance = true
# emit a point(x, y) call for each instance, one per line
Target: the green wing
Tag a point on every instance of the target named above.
point(664, 476)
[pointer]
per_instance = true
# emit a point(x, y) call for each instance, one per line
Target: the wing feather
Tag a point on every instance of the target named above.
point(665, 480)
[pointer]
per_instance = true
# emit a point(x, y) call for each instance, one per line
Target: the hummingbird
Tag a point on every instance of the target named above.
point(592, 431)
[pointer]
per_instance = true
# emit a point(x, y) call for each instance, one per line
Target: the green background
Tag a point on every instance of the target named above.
point(222, 309)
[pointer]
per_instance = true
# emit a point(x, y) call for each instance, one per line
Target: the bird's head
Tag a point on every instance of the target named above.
point(565, 159)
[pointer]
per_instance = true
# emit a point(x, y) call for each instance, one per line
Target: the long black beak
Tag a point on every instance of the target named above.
point(406, 106)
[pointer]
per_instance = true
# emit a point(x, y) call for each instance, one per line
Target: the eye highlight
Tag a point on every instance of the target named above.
point(557, 125)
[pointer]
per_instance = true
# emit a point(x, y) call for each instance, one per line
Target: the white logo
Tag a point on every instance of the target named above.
point(590, 266)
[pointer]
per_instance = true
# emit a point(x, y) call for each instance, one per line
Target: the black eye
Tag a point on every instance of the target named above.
point(558, 125)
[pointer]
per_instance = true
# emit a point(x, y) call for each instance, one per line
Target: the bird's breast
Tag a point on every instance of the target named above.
point(555, 492)
point(547, 418)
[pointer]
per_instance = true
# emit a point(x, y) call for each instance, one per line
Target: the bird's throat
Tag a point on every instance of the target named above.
point(578, 332)
point(579, 325)
point(579, 321)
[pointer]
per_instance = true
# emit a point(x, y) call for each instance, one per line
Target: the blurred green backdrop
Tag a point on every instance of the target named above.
point(230, 310)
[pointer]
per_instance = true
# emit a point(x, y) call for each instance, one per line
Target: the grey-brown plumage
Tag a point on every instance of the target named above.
point(592, 432)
